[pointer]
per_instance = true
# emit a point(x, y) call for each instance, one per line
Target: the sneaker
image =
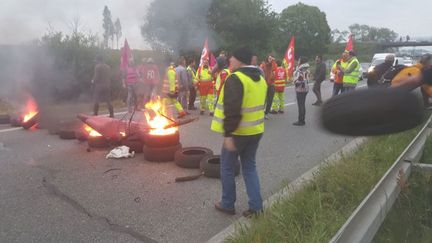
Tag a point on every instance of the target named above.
point(299, 123)
point(318, 103)
point(224, 210)
point(201, 112)
point(281, 112)
point(273, 112)
point(249, 213)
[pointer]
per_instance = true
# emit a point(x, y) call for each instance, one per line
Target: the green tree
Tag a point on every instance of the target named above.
point(365, 33)
point(243, 22)
point(309, 25)
point(108, 26)
point(117, 31)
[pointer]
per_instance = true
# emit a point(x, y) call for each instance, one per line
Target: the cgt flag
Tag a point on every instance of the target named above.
point(350, 43)
point(205, 54)
point(125, 54)
point(289, 58)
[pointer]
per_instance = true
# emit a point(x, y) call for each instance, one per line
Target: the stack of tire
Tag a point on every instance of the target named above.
point(203, 159)
point(161, 148)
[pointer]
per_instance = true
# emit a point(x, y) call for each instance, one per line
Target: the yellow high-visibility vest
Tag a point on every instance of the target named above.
point(253, 105)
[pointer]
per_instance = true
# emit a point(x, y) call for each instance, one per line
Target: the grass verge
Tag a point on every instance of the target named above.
point(410, 219)
point(315, 213)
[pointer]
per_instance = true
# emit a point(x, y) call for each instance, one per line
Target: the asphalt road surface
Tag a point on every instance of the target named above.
point(52, 190)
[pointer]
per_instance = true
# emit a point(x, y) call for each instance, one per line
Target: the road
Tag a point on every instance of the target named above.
point(52, 190)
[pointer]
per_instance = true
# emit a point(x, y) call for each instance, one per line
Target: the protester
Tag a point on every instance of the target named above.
point(379, 70)
point(170, 90)
point(206, 88)
point(319, 76)
point(130, 80)
point(281, 79)
point(221, 76)
point(301, 82)
point(239, 116)
point(191, 70)
point(102, 86)
point(336, 76)
point(254, 63)
point(269, 69)
point(351, 72)
point(151, 77)
point(183, 83)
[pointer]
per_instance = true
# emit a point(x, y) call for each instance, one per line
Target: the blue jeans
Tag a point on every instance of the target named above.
point(247, 147)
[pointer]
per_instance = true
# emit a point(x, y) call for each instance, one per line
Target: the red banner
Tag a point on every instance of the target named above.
point(290, 57)
point(350, 44)
point(205, 53)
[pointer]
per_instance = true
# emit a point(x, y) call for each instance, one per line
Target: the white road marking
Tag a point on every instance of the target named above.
point(11, 129)
point(288, 104)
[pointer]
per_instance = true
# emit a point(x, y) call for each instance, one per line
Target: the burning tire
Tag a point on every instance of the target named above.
point(372, 112)
point(97, 142)
point(160, 141)
point(210, 166)
point(133, 144)
point(162, 154)
point(81, 135)
point(190, 157)
point(4, 119)
point(28, 124)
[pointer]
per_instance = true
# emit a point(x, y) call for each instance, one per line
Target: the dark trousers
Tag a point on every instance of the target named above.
point(269, 98)
point(337, 88)
point(317, 90)
point(301, 103)
point(102, 94)
point(192, 97)
point(247, 147)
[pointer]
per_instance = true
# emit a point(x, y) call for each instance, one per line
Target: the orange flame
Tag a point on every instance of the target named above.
point(156, 121)
point(91, 131)
point(31, 109)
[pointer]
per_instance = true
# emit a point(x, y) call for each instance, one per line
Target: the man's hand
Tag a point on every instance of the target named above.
point(229, 144)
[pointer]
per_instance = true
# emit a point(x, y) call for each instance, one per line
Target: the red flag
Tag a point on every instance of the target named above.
point(212, 61)
point(125, 54)
point(290, 57)
point(350, 44)
point(204, 53)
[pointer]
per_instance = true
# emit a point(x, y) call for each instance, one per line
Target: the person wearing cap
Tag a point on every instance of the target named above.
point(379, 70)
point(351, 72)
point(151, 77)
point(102, 86)
point(239, 116)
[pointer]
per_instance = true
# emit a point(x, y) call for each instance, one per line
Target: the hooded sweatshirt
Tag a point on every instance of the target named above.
point(233, 98)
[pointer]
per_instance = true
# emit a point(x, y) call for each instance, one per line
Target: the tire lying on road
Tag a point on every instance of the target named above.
point(159, 141)
point(4, 119)
point(67, 133)
point(133, 144)
point(372, 112)
point(210, 166)
point(163, 154)
point(190, 157)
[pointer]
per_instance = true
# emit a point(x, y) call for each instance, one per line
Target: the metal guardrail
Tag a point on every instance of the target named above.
point(365, 221)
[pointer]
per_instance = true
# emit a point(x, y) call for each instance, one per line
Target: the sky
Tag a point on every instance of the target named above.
point(24, 20)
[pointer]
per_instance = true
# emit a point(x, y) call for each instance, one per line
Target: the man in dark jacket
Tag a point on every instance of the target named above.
point(379, 70)
point(239, 116)
point(320, 75)
point(102, 86)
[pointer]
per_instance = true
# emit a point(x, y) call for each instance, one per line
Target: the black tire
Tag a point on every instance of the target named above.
point(4, 119)
point(190, 157)
point(67, 133)
point(134, 145)
point(155, 141)
point(81, 135)
point(160, 154)
point(97, 142)
point(372, 112)
point(15, 122)
point(210, 166)
point(28, 124)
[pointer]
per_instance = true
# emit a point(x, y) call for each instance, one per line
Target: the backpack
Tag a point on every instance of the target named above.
point(390, 74)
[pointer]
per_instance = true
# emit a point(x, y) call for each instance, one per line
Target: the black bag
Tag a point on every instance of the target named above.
point(388, 76)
